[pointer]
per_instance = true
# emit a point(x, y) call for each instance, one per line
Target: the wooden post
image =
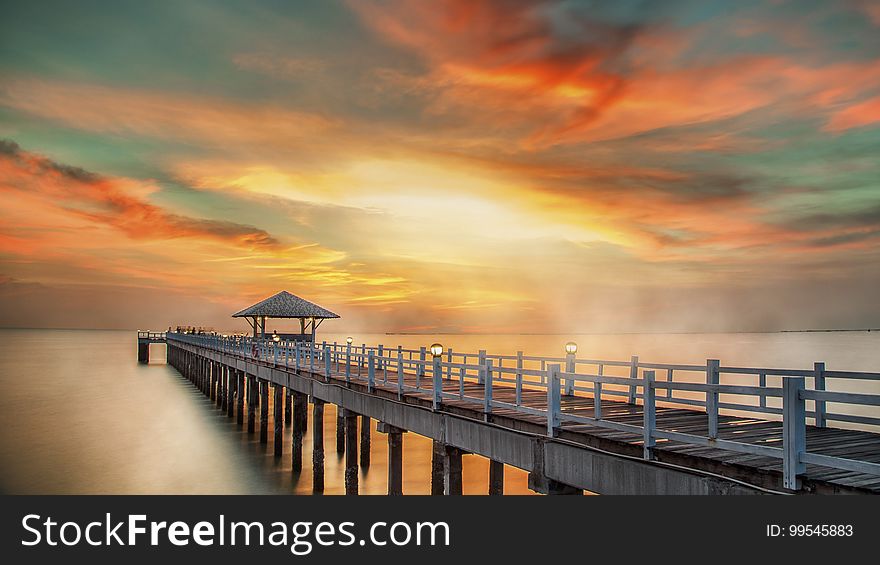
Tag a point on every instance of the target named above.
point(420, 370)
point(317, 445)
point(252, 403)
point(239, 375)
point(371, 371)
point(288, 406)
point(712, 378)
point(519, 377)
point(449, 364)
point(347, 362)
point(221, 385)
point(230, 392)
point(395, 457)
point(437, 388)
point(366, 428)
point(569, 368)
point(399, 373)
point(264, 411)
point(487, 386)
point(496, 477)
point(452, 478)
point(553, 400)
point(633, 374)
point(438, 467)
point(300, 407)
point(649, 421)
point(794, 431)
point(819, 384)
point(481, 360)
point(340, 430)
point(351, 453)
point(144, 352)
point(278, 419)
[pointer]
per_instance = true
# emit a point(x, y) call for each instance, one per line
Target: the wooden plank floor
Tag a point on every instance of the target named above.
point(853, 444)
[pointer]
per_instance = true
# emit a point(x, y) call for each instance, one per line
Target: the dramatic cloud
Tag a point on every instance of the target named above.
point(459, 165)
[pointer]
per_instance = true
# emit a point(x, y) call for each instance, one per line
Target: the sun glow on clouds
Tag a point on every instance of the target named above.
point(478, 165)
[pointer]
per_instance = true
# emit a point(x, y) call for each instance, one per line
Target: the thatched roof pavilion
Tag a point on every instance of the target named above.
point(286, 305)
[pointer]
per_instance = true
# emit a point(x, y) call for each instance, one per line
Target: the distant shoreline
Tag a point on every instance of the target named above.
point(866, 330)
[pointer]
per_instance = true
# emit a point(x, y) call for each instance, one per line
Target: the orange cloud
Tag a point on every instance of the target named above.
point(858, 115)
point(110, 201)
point(212, 121)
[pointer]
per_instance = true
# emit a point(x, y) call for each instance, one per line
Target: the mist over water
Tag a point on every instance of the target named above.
point(79, 415)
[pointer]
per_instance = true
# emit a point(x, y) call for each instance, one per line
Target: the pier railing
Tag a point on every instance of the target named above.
point(766, 393)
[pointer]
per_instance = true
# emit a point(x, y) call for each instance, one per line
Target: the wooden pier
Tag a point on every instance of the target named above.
point(610, 427)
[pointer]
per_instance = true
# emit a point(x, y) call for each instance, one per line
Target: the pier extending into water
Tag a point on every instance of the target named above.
point(574, 424)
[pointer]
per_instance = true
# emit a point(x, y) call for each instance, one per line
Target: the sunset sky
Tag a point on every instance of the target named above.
point(442, 166)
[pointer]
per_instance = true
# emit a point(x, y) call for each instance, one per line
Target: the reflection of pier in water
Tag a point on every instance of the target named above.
point(694, 437)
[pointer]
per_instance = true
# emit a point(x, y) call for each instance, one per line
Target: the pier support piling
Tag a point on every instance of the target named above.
point(452, 471)
point(300, 417)
point(230, 392)
point(340, 430)
point(496, 477)
point(366, 428)
point(278, 419)
point(317, 445)
point(252, 404)
point(239, 394)
point(395, 457)
point(438, 466)
point(287, 406)
point(351, 452)
point(264, 411)
point(143, 353)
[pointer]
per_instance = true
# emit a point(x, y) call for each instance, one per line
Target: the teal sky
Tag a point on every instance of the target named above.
point(449, 166)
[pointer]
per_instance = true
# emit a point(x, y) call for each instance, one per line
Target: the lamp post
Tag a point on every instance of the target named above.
point(436, 351)
point(570, 349)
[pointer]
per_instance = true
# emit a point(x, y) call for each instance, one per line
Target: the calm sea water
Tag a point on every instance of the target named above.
point(79, 415)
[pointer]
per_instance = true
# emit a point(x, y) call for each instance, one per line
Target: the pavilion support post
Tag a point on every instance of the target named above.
point(496, 477)
point(300, 416)
point(264, 411)
point(366, 428)
point(340, 430)
point(395, 457)
point(278, 419)
point(239, 376)
point(452, 471)
point(351, 455)
point(438, 467)
point(252, 403)
point(317, 445)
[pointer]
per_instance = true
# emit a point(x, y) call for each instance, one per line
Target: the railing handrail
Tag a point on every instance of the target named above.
point(562, 375)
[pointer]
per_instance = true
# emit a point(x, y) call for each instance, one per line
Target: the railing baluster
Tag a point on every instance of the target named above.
point(487, 386)
point(713, 377)
point(554, 399)
point(649, 413)
point(819, 384)
point(519, 377)
point(438, 383)
point(669, 380)
point(371, 371)
point(399, 373)
point(633, 374)
point(597, 394)
point(794, 430)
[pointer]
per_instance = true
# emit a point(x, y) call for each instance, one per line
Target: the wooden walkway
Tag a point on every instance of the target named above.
point(853, 444)
point(760, 445)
